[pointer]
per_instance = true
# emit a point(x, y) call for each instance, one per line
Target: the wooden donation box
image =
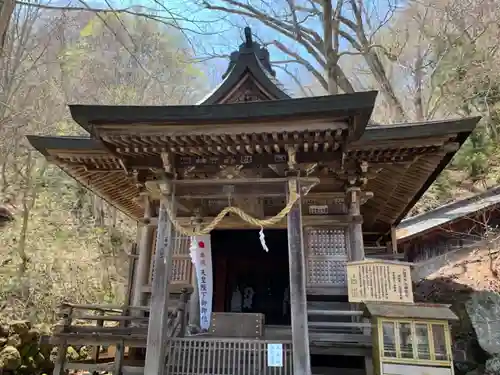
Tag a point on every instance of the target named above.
point(408, 338)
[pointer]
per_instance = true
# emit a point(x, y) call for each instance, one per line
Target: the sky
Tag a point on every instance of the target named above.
point(210, 33)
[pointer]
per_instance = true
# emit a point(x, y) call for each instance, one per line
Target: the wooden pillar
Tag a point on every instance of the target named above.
point(144, 248)
point(194, 300)
point(298, 300)
point(158, 318)
point(357, 251)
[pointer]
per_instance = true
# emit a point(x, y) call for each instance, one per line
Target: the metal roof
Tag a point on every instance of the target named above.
point(446, 213)
point(410, 311)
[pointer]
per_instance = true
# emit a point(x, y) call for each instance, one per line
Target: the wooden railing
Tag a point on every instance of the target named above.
point(208, 356)
point(338, 322)
point(108, 325)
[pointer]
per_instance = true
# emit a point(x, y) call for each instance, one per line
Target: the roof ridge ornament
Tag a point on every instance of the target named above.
point(248, 37)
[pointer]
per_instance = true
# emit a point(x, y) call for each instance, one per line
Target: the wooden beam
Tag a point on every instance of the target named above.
point(158, 320)
point(224, 188)
point(298, 301)
point(235, 222)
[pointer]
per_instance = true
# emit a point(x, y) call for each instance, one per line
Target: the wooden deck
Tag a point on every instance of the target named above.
point(336, 332)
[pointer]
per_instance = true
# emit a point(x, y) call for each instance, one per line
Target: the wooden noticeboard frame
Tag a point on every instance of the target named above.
point(379, 281)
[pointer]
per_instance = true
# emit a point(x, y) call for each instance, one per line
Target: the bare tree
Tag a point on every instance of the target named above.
point(321, 28)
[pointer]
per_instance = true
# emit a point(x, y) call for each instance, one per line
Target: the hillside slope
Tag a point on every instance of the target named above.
point(455, 284)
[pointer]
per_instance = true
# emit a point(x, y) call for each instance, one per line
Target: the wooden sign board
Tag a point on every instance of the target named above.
point(379, 281)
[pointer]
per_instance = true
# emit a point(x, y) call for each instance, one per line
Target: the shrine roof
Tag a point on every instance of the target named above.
point(353, 108)
point(397, 187)
point(253, 59)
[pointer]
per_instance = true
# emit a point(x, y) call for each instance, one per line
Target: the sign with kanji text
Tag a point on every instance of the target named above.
point(201, 256)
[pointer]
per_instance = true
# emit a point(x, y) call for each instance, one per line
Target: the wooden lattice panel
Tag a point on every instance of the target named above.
point(182, 267)
point(327, 254)
point(326, 272)
point(327, 242)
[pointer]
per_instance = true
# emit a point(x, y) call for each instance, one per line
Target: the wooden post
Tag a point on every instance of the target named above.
point(394, 240)
point(357, 251)
point(298, 301)
point(144, 260)
point(120, 346)
point(194, 300)
point(60, 362)
point(158, 318)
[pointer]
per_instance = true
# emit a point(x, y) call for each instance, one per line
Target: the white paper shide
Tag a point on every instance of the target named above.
point(201, 256)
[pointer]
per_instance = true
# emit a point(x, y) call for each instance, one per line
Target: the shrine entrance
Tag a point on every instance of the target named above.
point(247, 278)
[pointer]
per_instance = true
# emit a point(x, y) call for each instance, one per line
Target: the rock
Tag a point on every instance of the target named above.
point(492, 366)
point(20, 326)
point(72, 354)
point(484, 312)
point(10, 358)
point(84, 352)
point(14, 340)
point(3, 342)
point(28, 350)
point(476, 371)
point(464, 367)
point(4, 330)
point(53, 354)
point(31, 336)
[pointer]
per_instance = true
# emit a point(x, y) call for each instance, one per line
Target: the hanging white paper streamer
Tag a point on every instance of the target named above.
point(262, 239)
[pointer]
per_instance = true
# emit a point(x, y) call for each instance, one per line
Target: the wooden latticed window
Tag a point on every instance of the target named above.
point(415, 341)
point(182, 267)
point(327, 255)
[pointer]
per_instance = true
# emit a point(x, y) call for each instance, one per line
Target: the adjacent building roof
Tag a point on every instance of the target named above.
point(424, 311)
point(424, 222)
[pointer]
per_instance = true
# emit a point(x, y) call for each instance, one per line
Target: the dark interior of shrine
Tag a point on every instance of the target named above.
point(248, 278)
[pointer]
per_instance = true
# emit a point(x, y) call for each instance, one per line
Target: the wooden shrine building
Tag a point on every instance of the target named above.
point(326, 188)
point(449, 232)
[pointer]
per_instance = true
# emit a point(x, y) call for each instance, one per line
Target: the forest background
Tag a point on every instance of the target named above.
point(428, 59)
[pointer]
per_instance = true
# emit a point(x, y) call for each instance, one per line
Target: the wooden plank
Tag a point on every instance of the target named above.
point(106, 308)
point(335, 312)
point(113, 318)
point(298, 301)
point(339, 325)
point(157, 330)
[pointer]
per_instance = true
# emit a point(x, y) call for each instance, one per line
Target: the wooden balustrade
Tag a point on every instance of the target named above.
point(224, 356)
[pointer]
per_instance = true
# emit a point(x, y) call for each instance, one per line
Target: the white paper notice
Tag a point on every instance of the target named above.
point(274, 355)
point(201, 255)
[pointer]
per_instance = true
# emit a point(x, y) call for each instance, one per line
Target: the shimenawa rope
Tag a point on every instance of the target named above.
point(293, 197)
